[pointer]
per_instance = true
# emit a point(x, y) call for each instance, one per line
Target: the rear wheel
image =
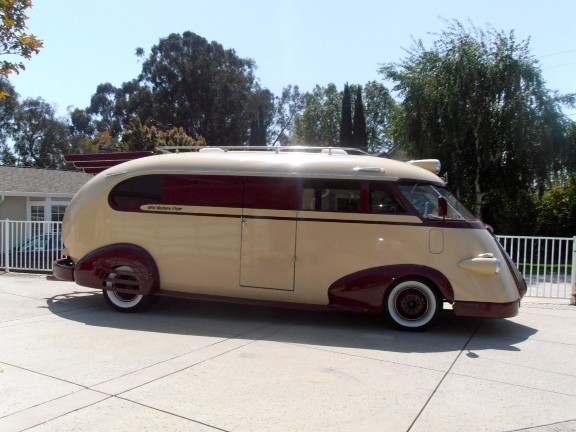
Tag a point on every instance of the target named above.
point(412, 305)
point(125, 302)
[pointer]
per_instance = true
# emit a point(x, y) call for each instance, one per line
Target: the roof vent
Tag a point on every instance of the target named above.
point(211, 150)
point(369, 169)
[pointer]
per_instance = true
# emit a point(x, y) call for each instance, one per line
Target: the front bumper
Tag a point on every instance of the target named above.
point(486, 310)
point(63, 269)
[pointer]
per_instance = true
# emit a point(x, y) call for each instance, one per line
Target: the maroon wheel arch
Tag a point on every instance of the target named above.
point(365, 290)
point(95, 268)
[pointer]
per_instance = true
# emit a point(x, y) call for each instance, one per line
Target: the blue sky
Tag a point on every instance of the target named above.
point(297, 42)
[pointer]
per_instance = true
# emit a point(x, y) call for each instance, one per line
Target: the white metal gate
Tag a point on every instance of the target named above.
point(547, 264)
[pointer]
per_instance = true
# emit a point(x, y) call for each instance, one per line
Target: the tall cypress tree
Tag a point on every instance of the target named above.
point(359, 135)
point(346, 119)
point(261, 137)
point(253, 141)
point(258, 129)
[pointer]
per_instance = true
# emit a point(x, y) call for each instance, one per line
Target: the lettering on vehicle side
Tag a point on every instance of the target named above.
point(162, 208)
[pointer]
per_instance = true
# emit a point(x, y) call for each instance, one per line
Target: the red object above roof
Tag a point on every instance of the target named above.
point(94, 163)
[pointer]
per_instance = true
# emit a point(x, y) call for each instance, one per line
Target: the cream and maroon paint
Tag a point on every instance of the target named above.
point(313, 229)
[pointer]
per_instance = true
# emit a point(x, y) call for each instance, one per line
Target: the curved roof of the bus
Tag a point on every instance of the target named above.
point(271, 164)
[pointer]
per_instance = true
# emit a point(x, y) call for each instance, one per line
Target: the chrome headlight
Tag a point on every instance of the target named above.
point(485, 264)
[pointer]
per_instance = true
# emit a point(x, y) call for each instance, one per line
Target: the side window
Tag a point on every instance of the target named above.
point(332, 196)
point(203, 191)
point(135, 192)
point(383, 200)
point(271, 193)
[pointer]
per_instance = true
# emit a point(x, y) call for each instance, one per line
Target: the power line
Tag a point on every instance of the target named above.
point(558, 53)
point(560, 65)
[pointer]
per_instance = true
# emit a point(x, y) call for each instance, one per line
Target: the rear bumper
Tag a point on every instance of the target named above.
point(63, 269)
point(486, 310)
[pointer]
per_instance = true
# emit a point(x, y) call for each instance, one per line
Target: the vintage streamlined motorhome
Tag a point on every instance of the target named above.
point(315, 229)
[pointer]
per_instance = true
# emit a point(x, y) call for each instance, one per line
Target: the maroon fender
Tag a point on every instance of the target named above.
point(94, 269)
point(365, 289)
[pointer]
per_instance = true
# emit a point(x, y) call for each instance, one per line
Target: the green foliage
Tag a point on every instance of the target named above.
point(201, 87)
point(104, 142)
point(30, 133)
point(511, 216)
point(319, 123)
point(477, 101)
point(8, 107)
point(557, 211)
point(40, 139)
point(139, 137)
point(287, 107)
point(13, 37)
point(380, 111)
point(187, 82)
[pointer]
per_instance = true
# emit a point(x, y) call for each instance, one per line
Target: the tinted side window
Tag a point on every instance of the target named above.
point(332, 196)
point(271, 193)
point(137, 191)
point(383, 200)
point(208, 191)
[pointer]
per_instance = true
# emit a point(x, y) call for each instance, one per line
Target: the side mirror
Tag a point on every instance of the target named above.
point(442, 207)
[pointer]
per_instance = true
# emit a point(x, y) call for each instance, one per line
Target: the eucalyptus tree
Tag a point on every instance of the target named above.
point(202, 87)
point(186, 82)
point(40, 139)
point(8, 107)
point(476, 99)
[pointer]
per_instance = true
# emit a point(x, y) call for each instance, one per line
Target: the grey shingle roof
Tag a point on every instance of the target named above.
point(26, 181)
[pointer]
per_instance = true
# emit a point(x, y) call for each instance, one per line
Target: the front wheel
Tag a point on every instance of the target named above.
point(412, 305)
point(125, 302)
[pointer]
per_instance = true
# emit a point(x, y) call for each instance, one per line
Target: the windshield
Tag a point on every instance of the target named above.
point(424, 198)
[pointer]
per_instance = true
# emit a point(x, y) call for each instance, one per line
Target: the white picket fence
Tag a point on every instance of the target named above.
point(547, 263)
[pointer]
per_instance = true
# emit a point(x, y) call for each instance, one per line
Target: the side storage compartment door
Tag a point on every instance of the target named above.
point(267, 254)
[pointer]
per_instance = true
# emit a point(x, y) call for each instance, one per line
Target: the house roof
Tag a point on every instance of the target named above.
point(18, 181)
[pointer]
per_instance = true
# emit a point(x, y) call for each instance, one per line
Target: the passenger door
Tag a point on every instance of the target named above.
point(269, 233)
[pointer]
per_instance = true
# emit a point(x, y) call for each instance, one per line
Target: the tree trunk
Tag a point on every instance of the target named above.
point(477, 187)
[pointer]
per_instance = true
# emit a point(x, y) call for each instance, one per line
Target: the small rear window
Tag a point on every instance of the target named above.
point(135, 192)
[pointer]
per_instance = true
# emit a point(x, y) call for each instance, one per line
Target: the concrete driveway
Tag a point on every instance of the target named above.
point(70, 363)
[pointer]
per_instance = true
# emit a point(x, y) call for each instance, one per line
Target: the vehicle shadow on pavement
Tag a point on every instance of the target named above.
point(316, 328)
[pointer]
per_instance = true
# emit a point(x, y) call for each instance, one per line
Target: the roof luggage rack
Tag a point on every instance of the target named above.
point(275, 149)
